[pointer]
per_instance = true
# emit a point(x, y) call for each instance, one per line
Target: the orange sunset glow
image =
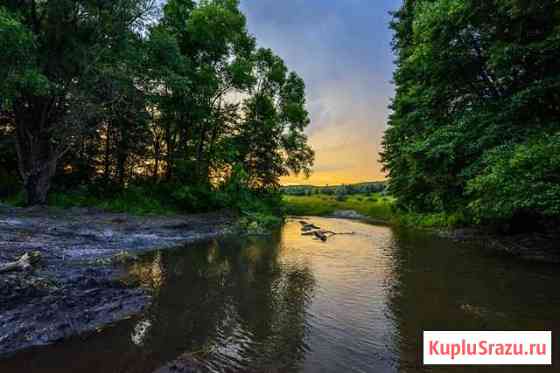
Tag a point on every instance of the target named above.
point(348, 82)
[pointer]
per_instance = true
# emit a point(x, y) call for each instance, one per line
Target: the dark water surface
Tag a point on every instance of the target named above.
point(357, 303)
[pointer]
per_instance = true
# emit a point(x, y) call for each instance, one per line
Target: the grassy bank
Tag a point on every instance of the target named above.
point(255, 211)
point(373, 206)
point(258, 212)
point(136, 201)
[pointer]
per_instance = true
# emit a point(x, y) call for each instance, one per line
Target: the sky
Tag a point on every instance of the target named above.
point(342, 49)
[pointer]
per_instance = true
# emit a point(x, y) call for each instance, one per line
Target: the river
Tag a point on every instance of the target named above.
point(357, 303)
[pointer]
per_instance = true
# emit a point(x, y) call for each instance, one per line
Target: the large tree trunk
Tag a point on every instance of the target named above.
point(201, 166)
point(107, 159)
point(169, 139)
point(122, 156)
point(38, 183)
point(37, 157)
point(37, 167)
point(157, 155)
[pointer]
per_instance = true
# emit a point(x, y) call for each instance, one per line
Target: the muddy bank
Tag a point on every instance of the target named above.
point(78, 288)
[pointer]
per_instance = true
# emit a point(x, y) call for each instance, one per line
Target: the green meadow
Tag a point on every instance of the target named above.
point(372, 206)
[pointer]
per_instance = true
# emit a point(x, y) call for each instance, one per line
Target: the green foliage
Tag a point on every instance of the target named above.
point(436, 220)
point(259, 223)
point(271, 141)
point(197, 198)
point(309, 206)
point(324, 205)
point(135, 199)
point(376, 208)
point(17, 61)
point(518, 179)
point(475, 80)
point(341, 197)
point(9, 178)
point(373, 188)
point(106, 93)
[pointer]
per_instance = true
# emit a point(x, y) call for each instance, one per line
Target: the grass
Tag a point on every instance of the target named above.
point(135, 201)
point(373, 206)
point(147, 201)
point(258, 213)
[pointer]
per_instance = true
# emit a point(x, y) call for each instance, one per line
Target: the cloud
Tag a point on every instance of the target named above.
point(342, 49)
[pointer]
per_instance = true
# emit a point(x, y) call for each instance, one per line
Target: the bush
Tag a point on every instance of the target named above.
point(9, 184)
point(198, 198)
point(518, 180)
point(341, 198)
point(435, 220)
point(134, 199)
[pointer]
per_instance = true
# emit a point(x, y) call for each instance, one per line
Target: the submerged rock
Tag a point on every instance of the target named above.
point(348, 214)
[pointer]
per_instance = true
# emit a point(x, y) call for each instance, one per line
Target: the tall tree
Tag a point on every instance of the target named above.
point(472, 76)
point(215, 52)
point(105, 91)
point(57, 50)
point(271, 141)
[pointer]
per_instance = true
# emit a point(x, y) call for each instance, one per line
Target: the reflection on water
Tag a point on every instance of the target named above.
point(150, 272)
point(289, 303)
point(455, 287)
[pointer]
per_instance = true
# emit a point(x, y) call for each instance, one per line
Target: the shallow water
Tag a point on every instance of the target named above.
point(357, 303)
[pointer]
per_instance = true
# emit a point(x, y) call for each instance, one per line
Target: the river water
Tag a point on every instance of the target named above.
point(357, 303)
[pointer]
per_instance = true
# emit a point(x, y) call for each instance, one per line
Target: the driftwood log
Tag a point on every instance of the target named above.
point(26, 262)
point(319, 233)
point(306, 227)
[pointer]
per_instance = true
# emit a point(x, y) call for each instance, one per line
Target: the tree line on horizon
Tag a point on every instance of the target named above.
point(115, 93)
point(475, 125)
point(343, 189)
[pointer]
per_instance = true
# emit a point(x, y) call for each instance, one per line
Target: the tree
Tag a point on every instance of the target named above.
point(57, 51)
point(104, 94)
point(271, 140)
point(214, 58)
point(472, 76)
point(522, 179)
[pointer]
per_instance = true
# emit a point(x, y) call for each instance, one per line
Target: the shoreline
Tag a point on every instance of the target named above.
point(78, 287)
point(532, 247)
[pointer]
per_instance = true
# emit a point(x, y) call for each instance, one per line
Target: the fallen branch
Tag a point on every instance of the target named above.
point(320, 235)
point(323, 235)
point(309, 227)
point(26, 262)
